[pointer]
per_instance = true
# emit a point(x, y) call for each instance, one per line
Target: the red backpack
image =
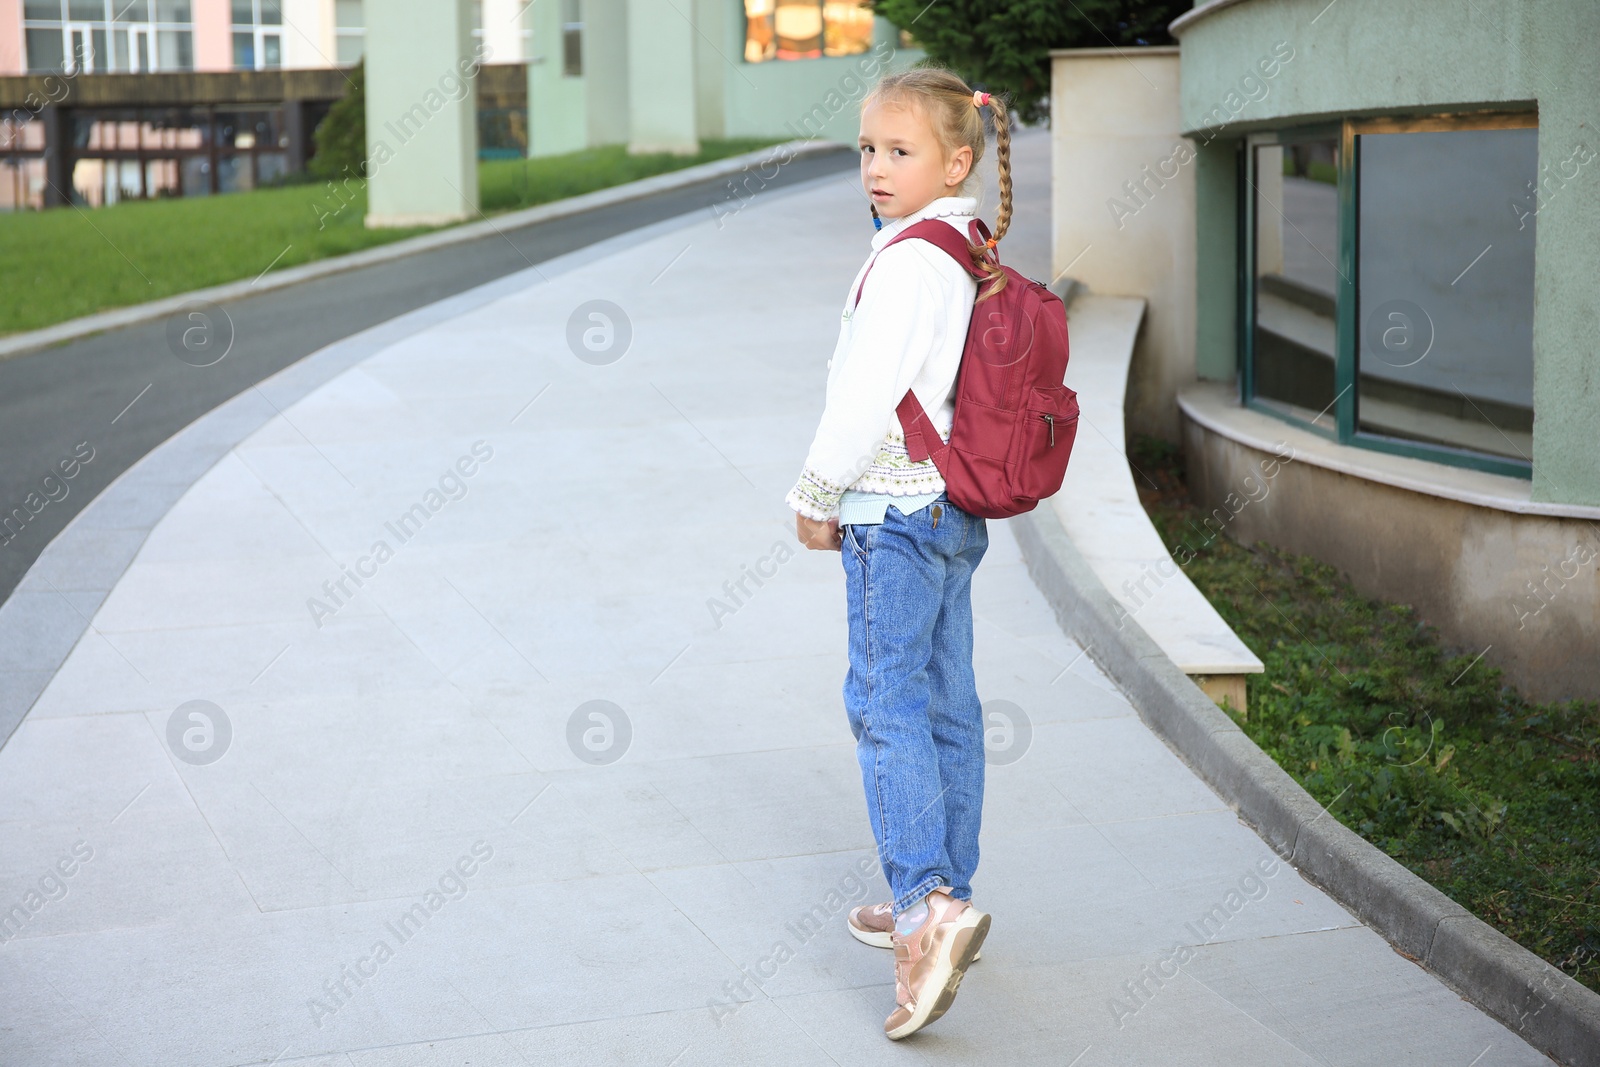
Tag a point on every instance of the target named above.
point(1014, 420)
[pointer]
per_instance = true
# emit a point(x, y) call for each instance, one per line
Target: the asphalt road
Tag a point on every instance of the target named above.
point(74, 417)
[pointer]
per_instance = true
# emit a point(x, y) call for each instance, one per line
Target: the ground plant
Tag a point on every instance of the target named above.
point(70, 261)
point(1422, 749)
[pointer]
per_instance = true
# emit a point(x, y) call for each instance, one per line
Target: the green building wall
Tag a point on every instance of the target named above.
point(1354, 59)
point(612, 102)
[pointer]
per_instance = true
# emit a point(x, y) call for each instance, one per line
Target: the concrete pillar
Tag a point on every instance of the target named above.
point(298, 131)
point(57, 156)
point(422, 129)
point(1122, 200)
point(661, 78)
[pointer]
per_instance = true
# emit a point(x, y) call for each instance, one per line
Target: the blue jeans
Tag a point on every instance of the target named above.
point(911, 696)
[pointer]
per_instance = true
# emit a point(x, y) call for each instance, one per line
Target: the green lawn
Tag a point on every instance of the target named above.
point(1421, 749)
point(67, 262)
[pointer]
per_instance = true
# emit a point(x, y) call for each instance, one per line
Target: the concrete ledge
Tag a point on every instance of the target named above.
point(1545, 1007)
point(1098, 507)
point(1497, 572)
point(32, 340)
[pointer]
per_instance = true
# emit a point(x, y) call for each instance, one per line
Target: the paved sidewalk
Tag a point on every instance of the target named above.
point(419, 847)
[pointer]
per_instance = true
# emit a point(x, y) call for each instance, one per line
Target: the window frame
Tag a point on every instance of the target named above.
point(109, 26)
point(1348, 132)
point(259, 30)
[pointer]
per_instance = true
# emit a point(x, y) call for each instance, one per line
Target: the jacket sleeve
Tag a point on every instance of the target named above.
point(898, 323)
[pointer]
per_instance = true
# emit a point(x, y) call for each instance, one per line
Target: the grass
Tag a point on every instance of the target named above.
point(1421, 749)
point(67, 262)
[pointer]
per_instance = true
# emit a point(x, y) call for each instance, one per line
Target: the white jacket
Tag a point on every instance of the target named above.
point(908, 332)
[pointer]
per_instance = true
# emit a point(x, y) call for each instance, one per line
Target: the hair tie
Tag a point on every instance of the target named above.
point(990, 243)
point(980, 98)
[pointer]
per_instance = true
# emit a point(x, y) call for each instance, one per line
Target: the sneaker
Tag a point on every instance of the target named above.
point(873, 924)
point(930, 962)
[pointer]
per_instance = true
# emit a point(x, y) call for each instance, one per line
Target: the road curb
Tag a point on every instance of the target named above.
point(1536, 1001)
point(73, 329)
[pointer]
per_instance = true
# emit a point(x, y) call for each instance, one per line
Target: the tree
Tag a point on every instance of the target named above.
point(341, 137)
point(1004, 45)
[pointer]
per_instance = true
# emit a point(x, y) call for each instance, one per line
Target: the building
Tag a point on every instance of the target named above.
point(662, 76)
point(106, 100)
point(140, 36)
point(1368, 233)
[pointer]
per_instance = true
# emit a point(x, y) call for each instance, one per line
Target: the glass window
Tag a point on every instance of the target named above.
point(271, 51)
point(271, 13)
point(572, 38)
point(1295, 187)
point(1445, 348)
point(172, 11)
point(244, 13)
point(86, 10)
point(244, 51)
point(44, 10)
point(175, 49)
point(798, 25)
point(45, 53)
point(131, 10)
point(349, 34)
point(350, 48)
point(847, 27)
point(271, 166)
point(1391, 297)
point(805, 29)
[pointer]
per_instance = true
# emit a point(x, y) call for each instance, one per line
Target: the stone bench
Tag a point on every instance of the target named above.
point(1099, 507)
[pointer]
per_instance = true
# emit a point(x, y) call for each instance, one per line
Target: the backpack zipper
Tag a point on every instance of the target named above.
point(1051, 421)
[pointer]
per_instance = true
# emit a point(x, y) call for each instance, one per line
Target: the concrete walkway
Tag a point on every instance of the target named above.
point(423, 843)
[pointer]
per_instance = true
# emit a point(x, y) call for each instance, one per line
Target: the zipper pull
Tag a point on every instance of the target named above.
point(937, 513)
point(1051, 421)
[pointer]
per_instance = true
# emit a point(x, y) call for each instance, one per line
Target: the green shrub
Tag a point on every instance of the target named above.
point(341, 137)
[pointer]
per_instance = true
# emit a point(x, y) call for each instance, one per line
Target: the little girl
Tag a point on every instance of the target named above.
point(908, 552)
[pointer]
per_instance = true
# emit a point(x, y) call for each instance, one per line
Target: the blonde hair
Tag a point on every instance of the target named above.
point(952, 112)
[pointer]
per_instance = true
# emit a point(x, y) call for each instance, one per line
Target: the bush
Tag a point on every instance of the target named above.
point(341, 137)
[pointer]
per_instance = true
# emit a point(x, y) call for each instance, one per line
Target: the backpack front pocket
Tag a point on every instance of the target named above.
point(1043, 443)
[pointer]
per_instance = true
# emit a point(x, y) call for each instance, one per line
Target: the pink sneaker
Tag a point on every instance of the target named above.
point(873, 924)
point(930, 962)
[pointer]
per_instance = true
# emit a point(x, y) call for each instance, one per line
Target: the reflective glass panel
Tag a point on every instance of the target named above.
point(1445, 308)
point(1296, 200)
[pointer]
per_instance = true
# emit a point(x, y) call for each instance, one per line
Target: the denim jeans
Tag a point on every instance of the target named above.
point(911, 696)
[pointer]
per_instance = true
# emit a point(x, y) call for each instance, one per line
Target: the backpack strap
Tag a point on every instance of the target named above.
point(919, 429)
point(945, 236)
